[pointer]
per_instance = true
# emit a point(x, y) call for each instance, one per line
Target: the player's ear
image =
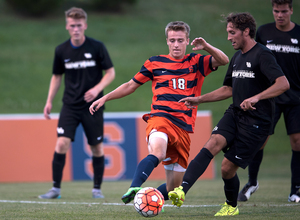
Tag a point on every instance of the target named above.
point(188, 41)
point(247, 31)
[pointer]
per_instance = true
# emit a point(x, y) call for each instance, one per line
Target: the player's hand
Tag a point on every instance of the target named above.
point(190, 102)
point(199, 43)
point(90, 95)
point(248, 104)
point(47, 110)
point(96, 105)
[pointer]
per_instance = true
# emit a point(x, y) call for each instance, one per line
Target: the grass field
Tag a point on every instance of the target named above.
point(19, 200)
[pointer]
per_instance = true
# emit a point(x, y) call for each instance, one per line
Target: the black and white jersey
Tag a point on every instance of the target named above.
point(286, 48)
point(82, 66)
point(251, 73)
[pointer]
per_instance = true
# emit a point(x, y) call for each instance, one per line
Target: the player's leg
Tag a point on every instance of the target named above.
point(292, 123)
point(231, 188)
point(223, 133)
point(157, 146)
point(93, 127)
point(98, 163)
point(295, 168)
point(67, 124)
point(197, 167)
point(252, 185)
point(58, 163)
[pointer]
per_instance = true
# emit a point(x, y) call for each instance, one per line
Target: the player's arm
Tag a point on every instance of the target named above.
point(219, 94)
point(219, 58)
point(55, 83)
point(120, 92)
point(280, 86)
point(108, 77)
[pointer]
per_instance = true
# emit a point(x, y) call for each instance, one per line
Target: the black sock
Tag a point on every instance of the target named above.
point(254, 167)
point(98, 166)
point(231, 189)
point(295, 168)
point(144, 169)
point(163, 189)
point(58, 164)
point(196, 168)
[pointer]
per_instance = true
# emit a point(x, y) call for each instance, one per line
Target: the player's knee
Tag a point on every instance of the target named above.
point(215, 144)
point(62, 145)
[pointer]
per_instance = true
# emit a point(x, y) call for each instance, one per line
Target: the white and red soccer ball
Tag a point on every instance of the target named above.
point(148, 202)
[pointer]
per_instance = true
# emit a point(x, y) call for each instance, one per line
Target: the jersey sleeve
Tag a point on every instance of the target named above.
point(145, 74)
point(269, 66)
point(205, 64)
point(105, 60)
point(58, 65)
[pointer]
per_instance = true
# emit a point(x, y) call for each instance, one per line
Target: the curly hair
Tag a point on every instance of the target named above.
point(242, 21)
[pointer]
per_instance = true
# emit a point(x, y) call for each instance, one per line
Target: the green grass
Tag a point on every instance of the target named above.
point(19, 200)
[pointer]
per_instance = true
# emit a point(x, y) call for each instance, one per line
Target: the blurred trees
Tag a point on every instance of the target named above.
point(39, 8)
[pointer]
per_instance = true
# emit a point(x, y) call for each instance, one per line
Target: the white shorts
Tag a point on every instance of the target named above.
point(154, 134)
point(175, 167)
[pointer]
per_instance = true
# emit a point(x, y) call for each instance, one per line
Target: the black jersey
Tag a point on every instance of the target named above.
point(286, 47)
point(82, 67)
point(251, 73)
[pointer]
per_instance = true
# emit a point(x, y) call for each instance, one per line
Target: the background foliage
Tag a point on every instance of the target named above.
point(41, 8)
point(131, 35)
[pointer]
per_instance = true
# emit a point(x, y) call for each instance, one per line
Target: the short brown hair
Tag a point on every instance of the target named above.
point(282, 2)
point(178, 26)
point(242, 21)
point(76, 13)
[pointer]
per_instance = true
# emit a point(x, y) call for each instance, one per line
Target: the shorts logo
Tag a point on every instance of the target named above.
point(99, 138)
point(215, 128)
point(167, 159)
point(60, 130)
point(236, 156)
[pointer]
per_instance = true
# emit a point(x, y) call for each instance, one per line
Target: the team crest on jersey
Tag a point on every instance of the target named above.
point(88, 55)
point(248, 64)
point(294, 41)
point(191, 69)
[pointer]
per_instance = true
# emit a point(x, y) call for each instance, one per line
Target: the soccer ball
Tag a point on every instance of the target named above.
point(148, 202)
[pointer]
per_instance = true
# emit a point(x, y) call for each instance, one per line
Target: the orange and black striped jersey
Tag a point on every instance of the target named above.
point(173, 80)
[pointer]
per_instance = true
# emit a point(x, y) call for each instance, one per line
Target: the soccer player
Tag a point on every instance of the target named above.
point(174, 76)
point(82, 60)
point(282, 37)
point(252, 80)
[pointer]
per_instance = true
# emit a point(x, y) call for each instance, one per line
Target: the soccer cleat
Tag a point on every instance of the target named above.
point(227, 210)
point(97, 194)
point(246, 192)
point(51, 194)
point(295, 197)
point(177, 196)
point(129, 195)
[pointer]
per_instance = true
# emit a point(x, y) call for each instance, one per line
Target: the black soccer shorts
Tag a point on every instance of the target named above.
point(69, 120)
point(291, 114)
point(244, 136)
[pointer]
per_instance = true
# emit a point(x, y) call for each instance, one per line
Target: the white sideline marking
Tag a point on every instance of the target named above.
point(121, 204)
